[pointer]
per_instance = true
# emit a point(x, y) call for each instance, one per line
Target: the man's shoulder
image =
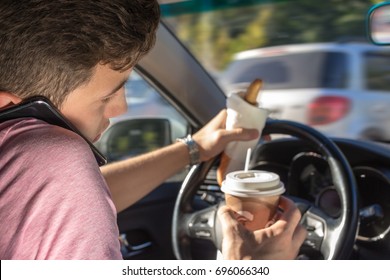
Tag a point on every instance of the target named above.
point(38, 133)
point(31, 141)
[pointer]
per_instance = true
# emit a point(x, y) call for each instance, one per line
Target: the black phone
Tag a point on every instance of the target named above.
point(41, 108)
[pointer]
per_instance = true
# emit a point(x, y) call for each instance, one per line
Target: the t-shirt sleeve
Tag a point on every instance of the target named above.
point(66, 207)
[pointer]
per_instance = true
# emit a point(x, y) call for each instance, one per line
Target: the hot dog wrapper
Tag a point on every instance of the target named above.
point(242, 114)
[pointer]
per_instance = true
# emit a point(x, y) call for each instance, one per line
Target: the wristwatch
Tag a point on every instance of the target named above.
point(193, 149)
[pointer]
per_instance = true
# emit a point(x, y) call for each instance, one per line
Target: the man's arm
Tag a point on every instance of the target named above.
point(131, 179)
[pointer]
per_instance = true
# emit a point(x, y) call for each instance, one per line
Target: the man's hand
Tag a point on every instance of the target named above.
point(213, 137)
point(279, 241)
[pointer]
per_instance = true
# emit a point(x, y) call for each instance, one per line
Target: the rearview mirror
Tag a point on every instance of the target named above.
point(378, 24)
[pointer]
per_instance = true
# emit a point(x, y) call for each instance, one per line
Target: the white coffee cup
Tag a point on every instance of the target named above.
point(253, 195)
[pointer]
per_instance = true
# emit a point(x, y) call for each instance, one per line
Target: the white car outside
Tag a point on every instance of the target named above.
point(341, 89)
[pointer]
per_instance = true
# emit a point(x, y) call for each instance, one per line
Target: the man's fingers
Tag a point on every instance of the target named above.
point(290, 213)
point(219, 120)
point(299, 236)
point(230, 226)
point(226, 217)
point(292, 216)
point(242, 134)
point(286, 203)
point(287, 221)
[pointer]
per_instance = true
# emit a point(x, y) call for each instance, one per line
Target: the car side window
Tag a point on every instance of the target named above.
point(151, 122)
point(378, 70)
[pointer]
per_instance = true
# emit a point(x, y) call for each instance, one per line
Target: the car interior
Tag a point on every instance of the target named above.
point(340, 185)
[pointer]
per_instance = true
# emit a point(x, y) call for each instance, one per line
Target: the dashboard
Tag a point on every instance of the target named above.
point(306, 174)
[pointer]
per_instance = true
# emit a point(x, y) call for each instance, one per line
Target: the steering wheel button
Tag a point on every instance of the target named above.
point(203, 233)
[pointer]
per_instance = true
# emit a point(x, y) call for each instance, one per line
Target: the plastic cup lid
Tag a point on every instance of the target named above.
point(252, 183)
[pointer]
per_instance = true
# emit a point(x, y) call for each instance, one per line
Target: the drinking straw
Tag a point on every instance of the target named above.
point(248, 156)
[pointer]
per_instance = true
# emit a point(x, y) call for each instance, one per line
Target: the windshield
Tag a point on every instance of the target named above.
point(313, 57)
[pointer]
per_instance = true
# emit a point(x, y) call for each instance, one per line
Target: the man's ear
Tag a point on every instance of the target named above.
point(8, 99)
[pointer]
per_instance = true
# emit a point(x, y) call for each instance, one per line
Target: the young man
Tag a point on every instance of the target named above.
point(55, 202)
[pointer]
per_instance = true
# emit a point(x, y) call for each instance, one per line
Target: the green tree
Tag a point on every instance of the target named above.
point(304, 21)
point(215, 36)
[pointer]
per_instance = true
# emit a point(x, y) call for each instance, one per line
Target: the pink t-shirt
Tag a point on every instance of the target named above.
point(54, 202)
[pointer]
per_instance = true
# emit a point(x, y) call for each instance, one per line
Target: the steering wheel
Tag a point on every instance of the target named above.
point(331, 237)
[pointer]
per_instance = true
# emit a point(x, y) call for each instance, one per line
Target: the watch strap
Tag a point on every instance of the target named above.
point(193, 149)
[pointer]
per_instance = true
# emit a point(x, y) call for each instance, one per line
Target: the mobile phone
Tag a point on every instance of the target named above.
point(41, 108)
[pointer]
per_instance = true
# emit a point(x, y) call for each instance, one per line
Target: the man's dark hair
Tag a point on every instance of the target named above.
point(51, 47)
